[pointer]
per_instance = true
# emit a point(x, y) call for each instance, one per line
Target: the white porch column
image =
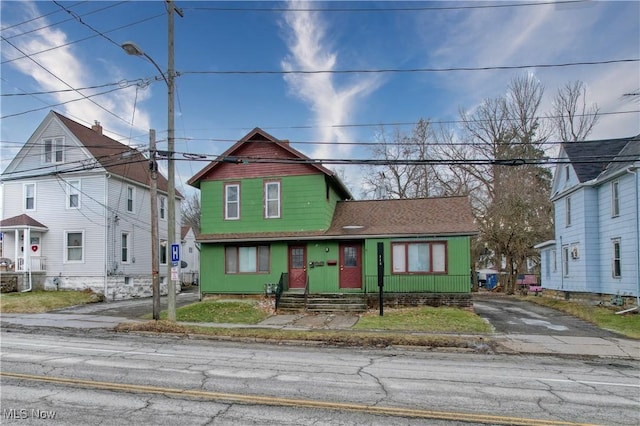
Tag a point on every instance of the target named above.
point(27, 249)
point(16, 249)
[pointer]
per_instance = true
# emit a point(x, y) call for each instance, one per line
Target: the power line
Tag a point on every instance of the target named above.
point(413, 70)
point(79, 19)
point(121, 83)
point(39, 17)
point(85, 38)
point(62, 81)
point(84, 97)
point(65, 20)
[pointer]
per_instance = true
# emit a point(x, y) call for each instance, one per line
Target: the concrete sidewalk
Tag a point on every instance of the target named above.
point(618, 348)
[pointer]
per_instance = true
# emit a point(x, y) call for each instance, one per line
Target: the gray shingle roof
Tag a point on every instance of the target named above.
point(379, 218)
point(591, 158)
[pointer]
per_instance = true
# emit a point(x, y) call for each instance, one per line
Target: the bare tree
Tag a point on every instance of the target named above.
point(191, 211)
point(397, 180)
point(573, 118)
point(510, 195)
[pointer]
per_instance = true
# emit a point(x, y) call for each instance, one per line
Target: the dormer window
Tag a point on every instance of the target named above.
point(566, 173)
point(53, 150)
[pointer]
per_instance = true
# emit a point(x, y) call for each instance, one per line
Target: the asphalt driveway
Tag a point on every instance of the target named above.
point(131, 308)
point(512, 316)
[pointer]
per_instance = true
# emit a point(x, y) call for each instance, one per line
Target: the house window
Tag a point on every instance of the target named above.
point(272, 199)
point(232, 201)
point(190, 250)
point(73, 194)
point(53, 151)
point(163, 252)
point(130, 194)
point(567, 211)
point(74, 246)
point(554, 262)
point(29, 190)
point(566, 173)
point(243, 260)
point(616, 261)
point(419, 258)
point(565, 261)
point(162, 207)
point(124, 257)
point(615, 198)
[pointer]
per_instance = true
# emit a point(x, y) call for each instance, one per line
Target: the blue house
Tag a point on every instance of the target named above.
point(595, 193)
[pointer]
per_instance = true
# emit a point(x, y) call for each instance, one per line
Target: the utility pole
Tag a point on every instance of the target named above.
point(171, 186)
point(153, 194)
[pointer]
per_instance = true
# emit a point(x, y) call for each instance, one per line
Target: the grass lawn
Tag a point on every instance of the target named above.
point(352, 338)
point(604, 317)
point(243, 311)
point(43, 301)
point(442, 319)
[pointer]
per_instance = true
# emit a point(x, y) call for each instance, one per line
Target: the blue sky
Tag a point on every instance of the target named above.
point(214, 110)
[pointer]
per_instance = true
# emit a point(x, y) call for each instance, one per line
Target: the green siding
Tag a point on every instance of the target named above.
point(304, 206)
point(325, 278)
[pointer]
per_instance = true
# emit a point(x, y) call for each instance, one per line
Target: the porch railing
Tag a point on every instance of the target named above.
point(420, 283)
point(38, 264)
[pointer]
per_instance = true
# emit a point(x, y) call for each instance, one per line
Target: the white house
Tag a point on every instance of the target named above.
point(77, 212)
point(595, 193)
point(190, 273)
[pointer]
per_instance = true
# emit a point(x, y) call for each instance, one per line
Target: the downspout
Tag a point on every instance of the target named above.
point(562, 264)
point(106, 232)
point(634, 170)
point(27, 256)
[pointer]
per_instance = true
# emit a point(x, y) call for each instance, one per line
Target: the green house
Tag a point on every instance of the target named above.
point(272, 215)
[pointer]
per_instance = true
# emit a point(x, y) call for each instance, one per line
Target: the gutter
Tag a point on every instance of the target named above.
point(325, 237)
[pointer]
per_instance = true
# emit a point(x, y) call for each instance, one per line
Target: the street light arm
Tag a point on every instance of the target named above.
point(133, 49)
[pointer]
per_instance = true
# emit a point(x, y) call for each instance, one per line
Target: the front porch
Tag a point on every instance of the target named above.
point(22, 240)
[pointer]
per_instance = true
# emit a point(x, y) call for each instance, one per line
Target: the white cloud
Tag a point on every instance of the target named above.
point(331, 103)
point(61, 69)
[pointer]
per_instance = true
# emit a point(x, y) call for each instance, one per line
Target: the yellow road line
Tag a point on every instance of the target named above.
point(292, 402)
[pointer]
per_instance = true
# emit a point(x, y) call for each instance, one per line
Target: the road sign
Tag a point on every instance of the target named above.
point(175, 252)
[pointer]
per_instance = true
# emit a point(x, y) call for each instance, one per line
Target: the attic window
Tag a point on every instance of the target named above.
point(53, 150)
point(566, 173)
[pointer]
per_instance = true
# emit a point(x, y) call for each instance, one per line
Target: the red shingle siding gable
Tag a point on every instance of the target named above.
point(259, 150)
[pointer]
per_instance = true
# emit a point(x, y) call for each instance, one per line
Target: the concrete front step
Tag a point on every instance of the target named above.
point(326, 302)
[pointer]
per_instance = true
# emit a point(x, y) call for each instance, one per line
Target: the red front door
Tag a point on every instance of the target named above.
point(297, 266)
point(350, 266)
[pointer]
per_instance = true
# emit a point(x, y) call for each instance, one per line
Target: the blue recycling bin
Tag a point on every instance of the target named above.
point(492, 281)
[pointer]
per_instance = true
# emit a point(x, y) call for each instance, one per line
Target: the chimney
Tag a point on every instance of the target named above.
point(285, 141)
point(97, 127)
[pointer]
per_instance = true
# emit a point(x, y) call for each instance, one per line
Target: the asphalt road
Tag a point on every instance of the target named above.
point(513, 316)
point(121, 379)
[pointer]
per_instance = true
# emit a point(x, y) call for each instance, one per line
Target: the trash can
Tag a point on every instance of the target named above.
point(492, 281)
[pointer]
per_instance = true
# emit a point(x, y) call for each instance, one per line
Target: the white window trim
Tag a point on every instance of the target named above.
point(267, 199)
point(166, 251)
point(162, 205)
point(71, 187)
point(66, 246)
point(614, 242)
point(24, 197)
point(615, 198)
point(56, 142)
point(566, 253)
point(226, 201)
point(128, 247)
point(567, 212)
point(133, 198)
